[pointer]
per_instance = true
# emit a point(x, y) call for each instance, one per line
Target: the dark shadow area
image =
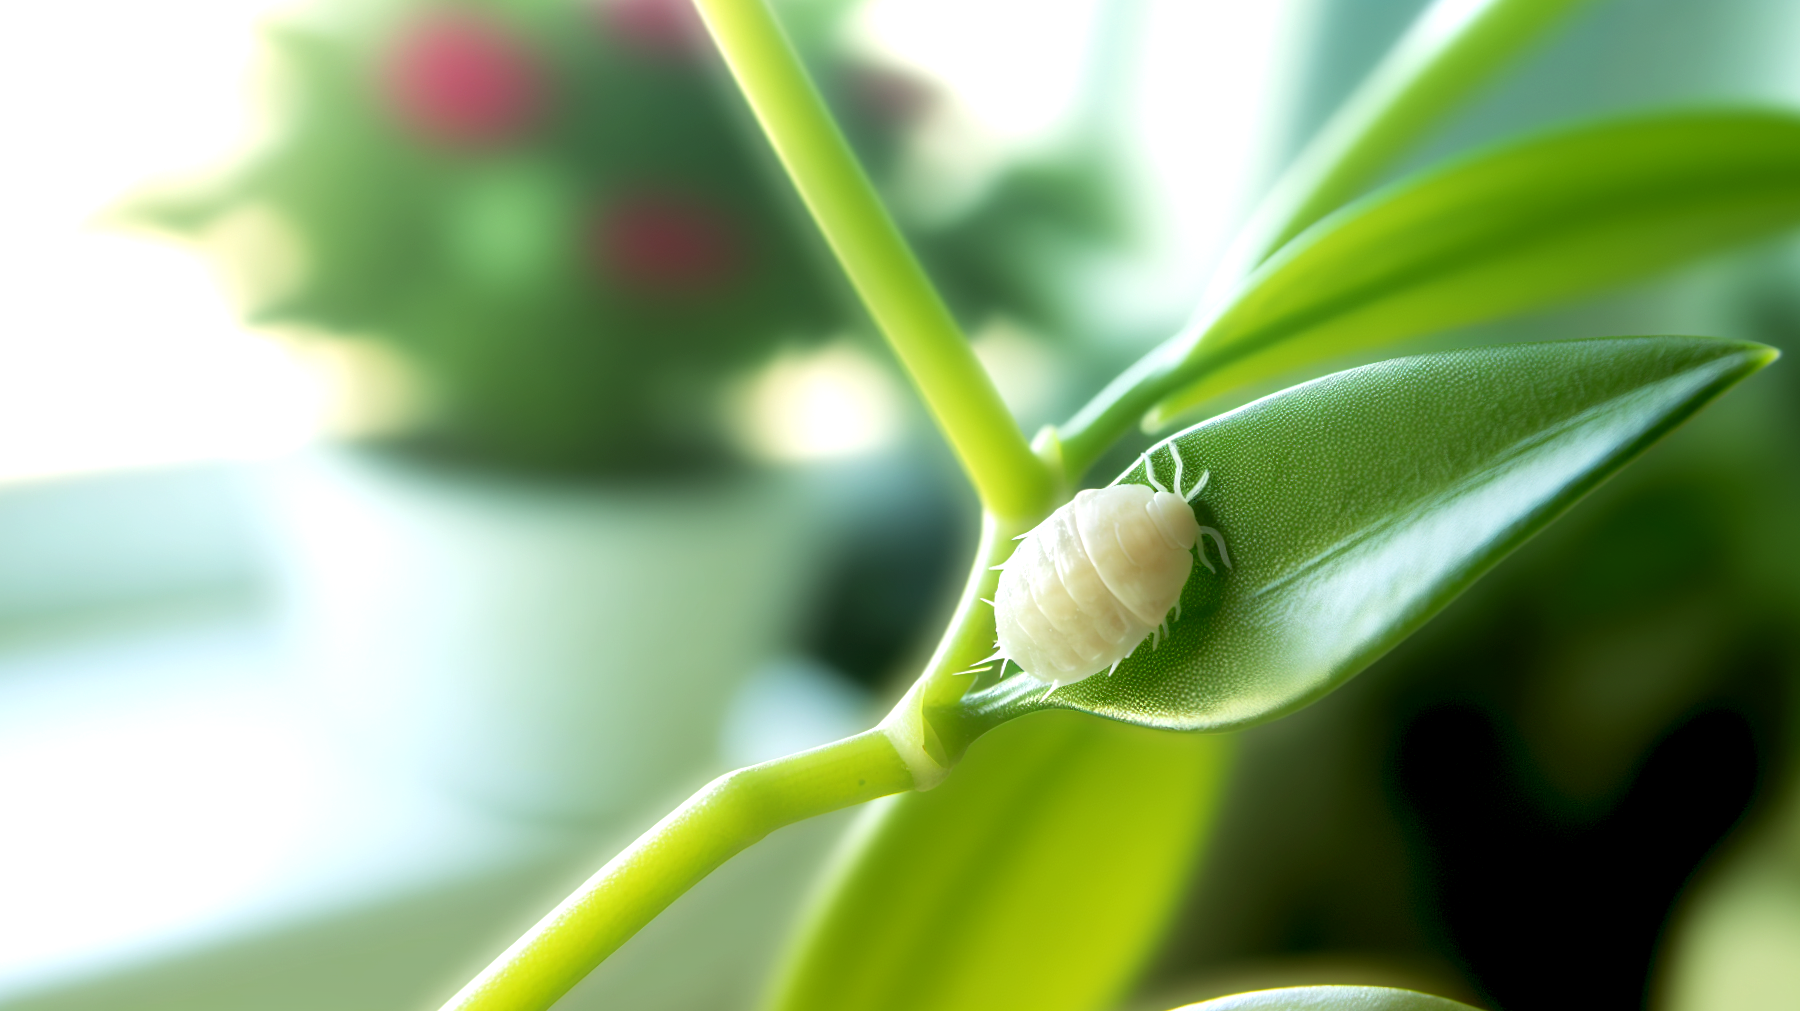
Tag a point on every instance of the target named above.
point(1544, 912)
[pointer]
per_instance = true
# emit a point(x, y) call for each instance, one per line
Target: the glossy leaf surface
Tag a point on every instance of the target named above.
point(1038, 876)
point(1330, 998)
point(1357, 505)
point(1522, 226)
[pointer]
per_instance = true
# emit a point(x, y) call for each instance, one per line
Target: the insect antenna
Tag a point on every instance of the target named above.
point(1177, 457)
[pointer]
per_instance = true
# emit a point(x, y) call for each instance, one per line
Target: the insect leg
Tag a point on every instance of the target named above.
point(1218, 539)
point(1053, 686)
point(1114, 667)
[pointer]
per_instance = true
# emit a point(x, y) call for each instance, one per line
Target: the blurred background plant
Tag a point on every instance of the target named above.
point(555, 232)
point(569, 304)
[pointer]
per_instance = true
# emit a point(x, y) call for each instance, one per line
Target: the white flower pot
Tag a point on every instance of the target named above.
point(556, 650)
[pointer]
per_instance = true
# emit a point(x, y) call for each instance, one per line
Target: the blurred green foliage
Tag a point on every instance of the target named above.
point(560, 217)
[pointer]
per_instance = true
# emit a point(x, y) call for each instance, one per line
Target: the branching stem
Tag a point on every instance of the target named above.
point(906, 752)
point(926, 724)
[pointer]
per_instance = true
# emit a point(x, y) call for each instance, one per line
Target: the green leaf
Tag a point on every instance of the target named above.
point(1451, 50)
point(1511, 229)
point(1038, 876)
point(1330, 998)
point(1357, 505)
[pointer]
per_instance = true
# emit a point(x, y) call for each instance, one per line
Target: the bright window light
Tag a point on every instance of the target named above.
point(1017, 65)
point(832, 403)
point(115, 350)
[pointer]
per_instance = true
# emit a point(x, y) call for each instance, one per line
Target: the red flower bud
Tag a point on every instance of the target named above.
point(661, 28)
point(665, 243)
point(461, 80)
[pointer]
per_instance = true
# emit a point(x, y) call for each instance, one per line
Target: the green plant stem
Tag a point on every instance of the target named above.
point(1450, 51)
point(927, 725)
point(1009, 478)
point(729, 814)
point(1121, 406)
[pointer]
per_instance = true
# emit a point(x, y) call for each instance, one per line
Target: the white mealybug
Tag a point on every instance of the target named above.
point(1090, 583)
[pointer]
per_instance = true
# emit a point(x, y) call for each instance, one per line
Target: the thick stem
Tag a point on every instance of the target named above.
point(1009, 478)
point(925, 724)
point(726, 816)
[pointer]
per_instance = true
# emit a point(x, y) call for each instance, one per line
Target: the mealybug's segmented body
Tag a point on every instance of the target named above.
point(1090, 583)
